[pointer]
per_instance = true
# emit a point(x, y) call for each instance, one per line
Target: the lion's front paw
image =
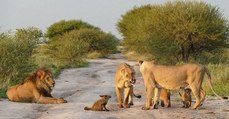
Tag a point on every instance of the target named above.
point(61, 100)
point(145, 108)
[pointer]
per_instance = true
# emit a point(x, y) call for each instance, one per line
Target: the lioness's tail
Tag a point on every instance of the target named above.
point(210, 83)
point(87, 108)
point(136, 95)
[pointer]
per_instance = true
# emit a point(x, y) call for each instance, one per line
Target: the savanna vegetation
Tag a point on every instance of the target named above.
point(171, 33)
point(179, 32)
point(65, 44)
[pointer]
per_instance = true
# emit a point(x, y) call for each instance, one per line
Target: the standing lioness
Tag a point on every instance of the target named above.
point(173, 78)
point(124, 80)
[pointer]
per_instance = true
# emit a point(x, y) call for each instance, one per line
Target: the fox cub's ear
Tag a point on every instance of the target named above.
point(140, 62)
point(106, 96)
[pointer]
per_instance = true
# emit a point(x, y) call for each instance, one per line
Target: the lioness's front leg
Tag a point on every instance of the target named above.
point(148, 98)
point(119, 96)
point(131, 96)
point(156, 98)
point(126, 97)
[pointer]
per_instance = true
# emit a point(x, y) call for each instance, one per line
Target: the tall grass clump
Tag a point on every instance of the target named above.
point(220, 79)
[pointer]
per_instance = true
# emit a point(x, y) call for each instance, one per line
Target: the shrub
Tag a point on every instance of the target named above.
point(15, 54)
point(69, 50)
point(100, 42)
point(61, 27)
point(187, 29)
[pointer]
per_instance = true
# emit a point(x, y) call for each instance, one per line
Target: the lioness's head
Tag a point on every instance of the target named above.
point(128, 73)
point(46, 78)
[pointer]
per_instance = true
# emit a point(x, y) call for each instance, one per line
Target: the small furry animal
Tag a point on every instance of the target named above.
point(186, 97)
point(99, 105)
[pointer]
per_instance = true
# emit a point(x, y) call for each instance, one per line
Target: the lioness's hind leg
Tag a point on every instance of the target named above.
point(202, 96)
point(196, 93)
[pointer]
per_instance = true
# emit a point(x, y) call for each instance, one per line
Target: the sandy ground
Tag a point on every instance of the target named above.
point(81, 87)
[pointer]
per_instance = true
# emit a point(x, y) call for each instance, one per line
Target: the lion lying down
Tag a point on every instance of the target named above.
point(36, 88)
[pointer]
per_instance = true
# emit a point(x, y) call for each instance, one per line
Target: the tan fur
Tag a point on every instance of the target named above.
point(186, 97)
point(100, 105)
point(36, 88)
point(124, 80)
point(174, 78)
point(164, 98)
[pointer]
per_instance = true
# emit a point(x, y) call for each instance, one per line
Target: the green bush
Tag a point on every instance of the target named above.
point(68, 50)
point(187, 29)
point(72, 47)
point(99, 41)
point(15, 54)
point(61, 27)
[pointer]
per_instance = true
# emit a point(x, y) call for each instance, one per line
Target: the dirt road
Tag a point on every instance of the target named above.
point(81, 87)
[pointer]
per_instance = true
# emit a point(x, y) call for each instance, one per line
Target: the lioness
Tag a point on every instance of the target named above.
point(186, 97)
point(174, 78)
point(36, 88)
point(124, 80)
point(99, 105)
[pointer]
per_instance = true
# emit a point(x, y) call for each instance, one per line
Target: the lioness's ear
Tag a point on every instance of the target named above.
point(123, 70)
point(101, 95)
point(140, 62)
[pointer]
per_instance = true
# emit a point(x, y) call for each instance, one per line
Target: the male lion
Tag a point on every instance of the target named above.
point(124, 80)
point(174, 78)
point(36, 88)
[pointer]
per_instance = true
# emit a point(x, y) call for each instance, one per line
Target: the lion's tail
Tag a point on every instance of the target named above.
point(210, 83)
point(136, 95)
point(87, 108)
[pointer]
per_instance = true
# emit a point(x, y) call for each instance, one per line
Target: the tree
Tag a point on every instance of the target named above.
point(63, 26)
point(185, 30)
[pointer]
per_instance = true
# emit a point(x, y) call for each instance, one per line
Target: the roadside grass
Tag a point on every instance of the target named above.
point(2, 93)
point(220, 79)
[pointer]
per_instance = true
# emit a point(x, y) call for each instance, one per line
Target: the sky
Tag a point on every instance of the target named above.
point(105, 14)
